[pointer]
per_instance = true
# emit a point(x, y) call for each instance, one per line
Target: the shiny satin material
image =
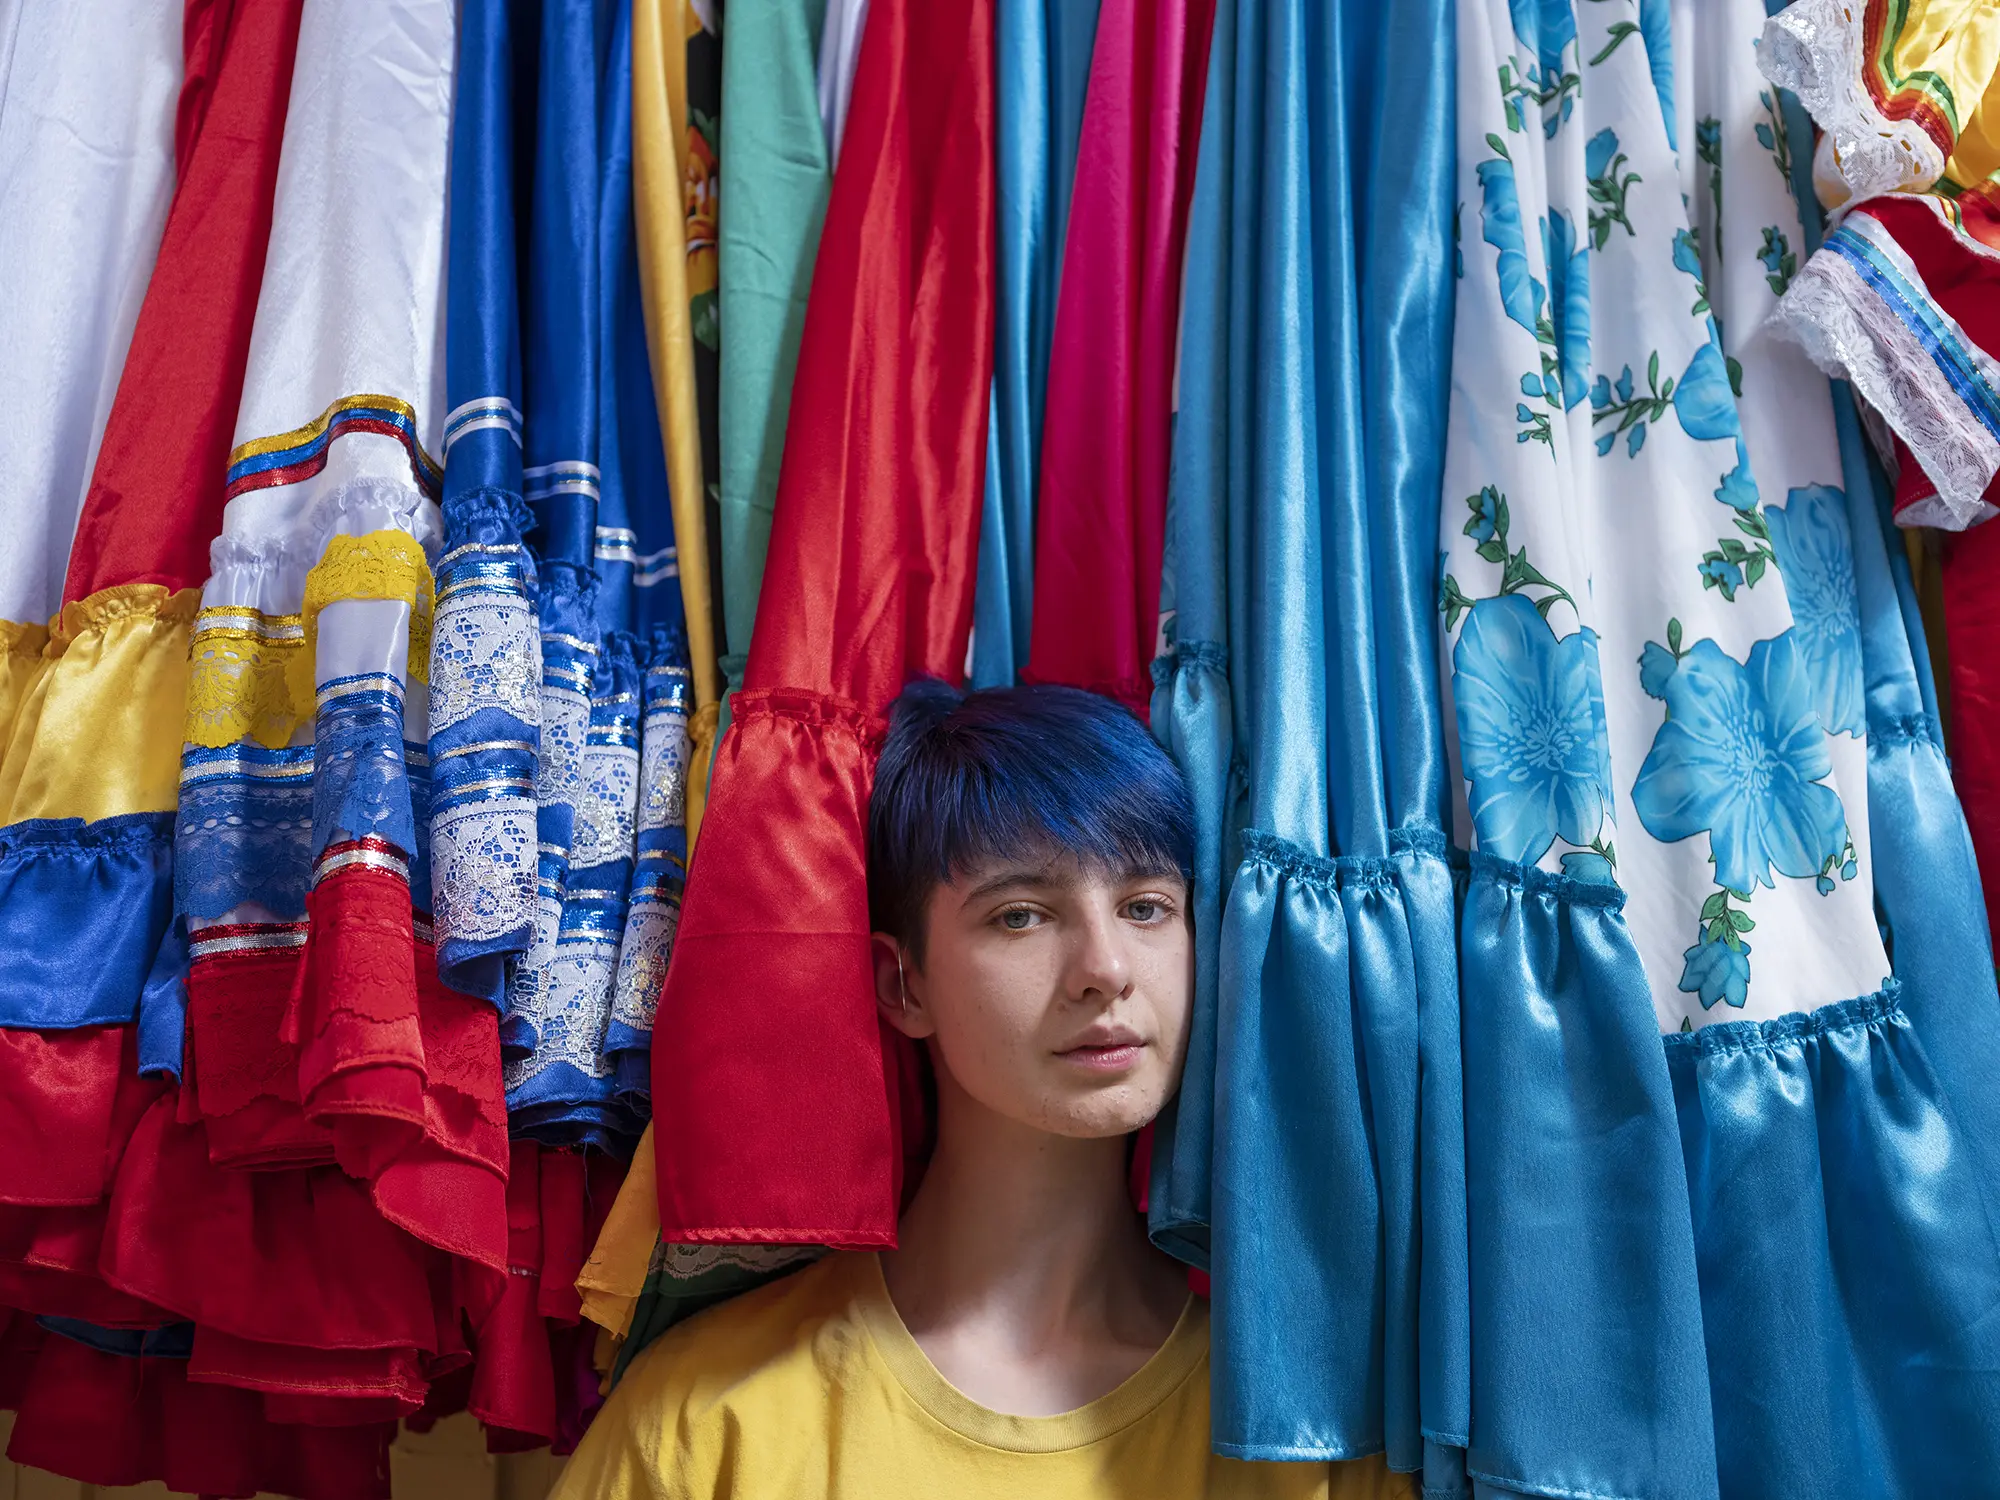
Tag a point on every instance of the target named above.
point(107, 888)
point(155, 500)
point(659, 75)
point(89, 172)
point(775, 177)
point(1100, 520)
point(777, 1103)
point(1300, 698)
point(1833, 1192)
point(1588, 1374)
point(485, 717)
point(110, 674)
point(1044, 49)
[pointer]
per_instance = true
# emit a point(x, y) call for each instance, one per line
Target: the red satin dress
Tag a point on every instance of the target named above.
point(778, 1099)
point(1100, 521)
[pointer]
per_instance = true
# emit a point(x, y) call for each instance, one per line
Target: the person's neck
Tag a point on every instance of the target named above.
point(1022, 1270)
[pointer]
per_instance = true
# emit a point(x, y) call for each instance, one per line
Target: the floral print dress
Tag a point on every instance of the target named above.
point(1647, 598)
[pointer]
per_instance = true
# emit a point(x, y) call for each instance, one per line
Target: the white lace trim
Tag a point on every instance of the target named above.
point(606, 808)
point(1814, 48)
point(1848, 331)
point(568, 1009)
point(642, 962)
point(485, 653)
point(483, 870)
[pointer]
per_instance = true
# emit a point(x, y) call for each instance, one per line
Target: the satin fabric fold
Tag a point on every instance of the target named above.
point(869, 582)
point(93, 172)
point(1100, 517)
point(659, 106)
point(1297, 696)
point(1043, 64)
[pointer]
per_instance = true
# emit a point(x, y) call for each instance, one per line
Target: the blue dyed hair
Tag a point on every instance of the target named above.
point(965, 778)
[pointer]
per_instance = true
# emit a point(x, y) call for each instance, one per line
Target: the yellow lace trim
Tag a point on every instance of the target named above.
point(250, 675)
point(381, 565)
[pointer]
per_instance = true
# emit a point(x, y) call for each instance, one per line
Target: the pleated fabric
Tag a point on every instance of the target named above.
point(778, 1102)
point(90, 171)
point(1298, 695)
point(1820, 1147)
point(839, 54)
point(1100, 521)
point(1043, 66)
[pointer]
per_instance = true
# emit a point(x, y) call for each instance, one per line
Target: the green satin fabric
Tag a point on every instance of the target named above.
point(775, 177)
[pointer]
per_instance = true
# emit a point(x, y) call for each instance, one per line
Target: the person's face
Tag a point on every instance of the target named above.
point(1055, 995)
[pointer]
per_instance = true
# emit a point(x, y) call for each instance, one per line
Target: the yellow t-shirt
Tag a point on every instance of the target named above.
point(812, 1389)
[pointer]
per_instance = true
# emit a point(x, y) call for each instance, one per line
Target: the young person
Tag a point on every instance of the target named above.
point(1029, 851)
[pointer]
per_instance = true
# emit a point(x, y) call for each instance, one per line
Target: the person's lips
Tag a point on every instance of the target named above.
point(1105, 1049)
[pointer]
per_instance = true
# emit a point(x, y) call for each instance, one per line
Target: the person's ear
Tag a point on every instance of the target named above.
point(897, 995)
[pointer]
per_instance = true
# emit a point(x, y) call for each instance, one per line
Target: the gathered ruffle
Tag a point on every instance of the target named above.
point(1844, 1239)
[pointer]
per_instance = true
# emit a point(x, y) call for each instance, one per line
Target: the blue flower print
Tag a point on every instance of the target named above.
point(1723, 574)
point(1531, 730)
point(1500, 216)
point(1703, 400)
point(1816, 556)
point(1656, 26)
point(1544, 28)
point(1738, 489)
point(1569, 300)
point(1598, 151)
point(1588, 867)
point(1740, 758)
point(1656, 665)
point(1687, 254)
point(1717, 971)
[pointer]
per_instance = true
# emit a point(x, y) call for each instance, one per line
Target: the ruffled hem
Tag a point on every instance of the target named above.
point(1850, 1273)
point(1336, 999)
point(1818, 50)
point(1875, 306)
point(803, 761)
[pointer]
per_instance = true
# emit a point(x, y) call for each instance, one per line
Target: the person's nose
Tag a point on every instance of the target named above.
point(1099, 970)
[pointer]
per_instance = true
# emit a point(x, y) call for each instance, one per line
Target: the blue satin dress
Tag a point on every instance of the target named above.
point(561, 757)
point(1314, 1160)
point(1043, 63)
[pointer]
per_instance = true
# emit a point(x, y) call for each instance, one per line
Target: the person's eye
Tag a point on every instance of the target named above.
point(1018, 918)
point(1146, 910)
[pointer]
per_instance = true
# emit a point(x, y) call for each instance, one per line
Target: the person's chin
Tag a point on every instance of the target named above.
point(1092, 1107)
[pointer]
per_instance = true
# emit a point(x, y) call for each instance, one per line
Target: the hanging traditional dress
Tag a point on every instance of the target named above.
point(1043, 67)
point(1100, 518)
point(781, 1107)
point(1298, 693)
point(1656, 666)
point(90, 171)
point(117, 1408)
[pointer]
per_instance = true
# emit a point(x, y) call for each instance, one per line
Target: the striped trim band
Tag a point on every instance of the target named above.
point(482, 414)
point(570, 477)
point(244, 937)
point(288, 457)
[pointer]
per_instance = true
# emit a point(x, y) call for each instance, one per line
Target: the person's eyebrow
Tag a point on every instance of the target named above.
point(1011, 879)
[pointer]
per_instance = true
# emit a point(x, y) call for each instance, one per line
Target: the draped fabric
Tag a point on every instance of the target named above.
point(775, 176)
point(839, 52)
point(1099, 526)
point(1715, 703)
point(1043, 68)
point(778, 1101)
point(1899, 299)
point(90, 171)
point(661, 218)
point(1298, 695)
